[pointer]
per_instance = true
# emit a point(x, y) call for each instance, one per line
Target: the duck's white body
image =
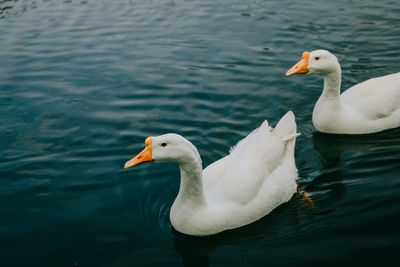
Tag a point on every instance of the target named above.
point(258, 175)
point(368, 107)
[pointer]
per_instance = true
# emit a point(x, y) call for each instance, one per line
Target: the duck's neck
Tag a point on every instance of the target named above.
point(191, 187)
point(328, 110)
point(332, 81)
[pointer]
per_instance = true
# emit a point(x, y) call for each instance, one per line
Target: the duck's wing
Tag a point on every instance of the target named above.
point(255, 158)
point(238, 177)
point(246, 169)
point(212, 173)
point(376, 99)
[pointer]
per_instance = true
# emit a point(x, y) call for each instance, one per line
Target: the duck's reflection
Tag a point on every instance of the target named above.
point(194, 251)
point(332, 147)
point(342, 155)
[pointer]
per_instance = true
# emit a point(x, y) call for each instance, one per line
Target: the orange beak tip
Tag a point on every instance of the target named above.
point(131, 162)
point(144, 156)
point(288, 74)
point(128, 164)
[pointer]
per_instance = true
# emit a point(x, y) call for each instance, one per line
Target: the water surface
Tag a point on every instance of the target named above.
point(83, 83)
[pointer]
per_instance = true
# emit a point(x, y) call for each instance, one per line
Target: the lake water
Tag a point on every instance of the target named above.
point(83, 83)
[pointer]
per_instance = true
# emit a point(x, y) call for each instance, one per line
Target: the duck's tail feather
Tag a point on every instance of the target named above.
point(286, 127)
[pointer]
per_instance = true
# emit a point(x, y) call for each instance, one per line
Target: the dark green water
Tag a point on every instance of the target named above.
point(83, 83)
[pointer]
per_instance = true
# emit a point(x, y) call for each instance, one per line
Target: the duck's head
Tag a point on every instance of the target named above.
point(318, 61)
point(163, 148)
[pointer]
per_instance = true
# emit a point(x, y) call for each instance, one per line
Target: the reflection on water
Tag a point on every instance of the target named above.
point(195, 251)
point(348, 160)
point(331, 147)
point(366, 153)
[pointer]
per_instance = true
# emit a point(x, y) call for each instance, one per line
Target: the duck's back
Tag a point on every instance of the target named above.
point(252, 184)
point(377, 98)
point(254, 163)
point(246, 170)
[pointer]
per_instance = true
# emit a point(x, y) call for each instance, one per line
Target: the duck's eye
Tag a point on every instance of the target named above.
point(316, 58)
point(164, 144)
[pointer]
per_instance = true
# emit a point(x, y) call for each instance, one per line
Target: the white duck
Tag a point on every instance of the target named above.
point(258, 175)
point(368, 107)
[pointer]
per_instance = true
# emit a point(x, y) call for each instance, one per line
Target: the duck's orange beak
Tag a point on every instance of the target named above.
point(301, 67)
point(143, 156)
